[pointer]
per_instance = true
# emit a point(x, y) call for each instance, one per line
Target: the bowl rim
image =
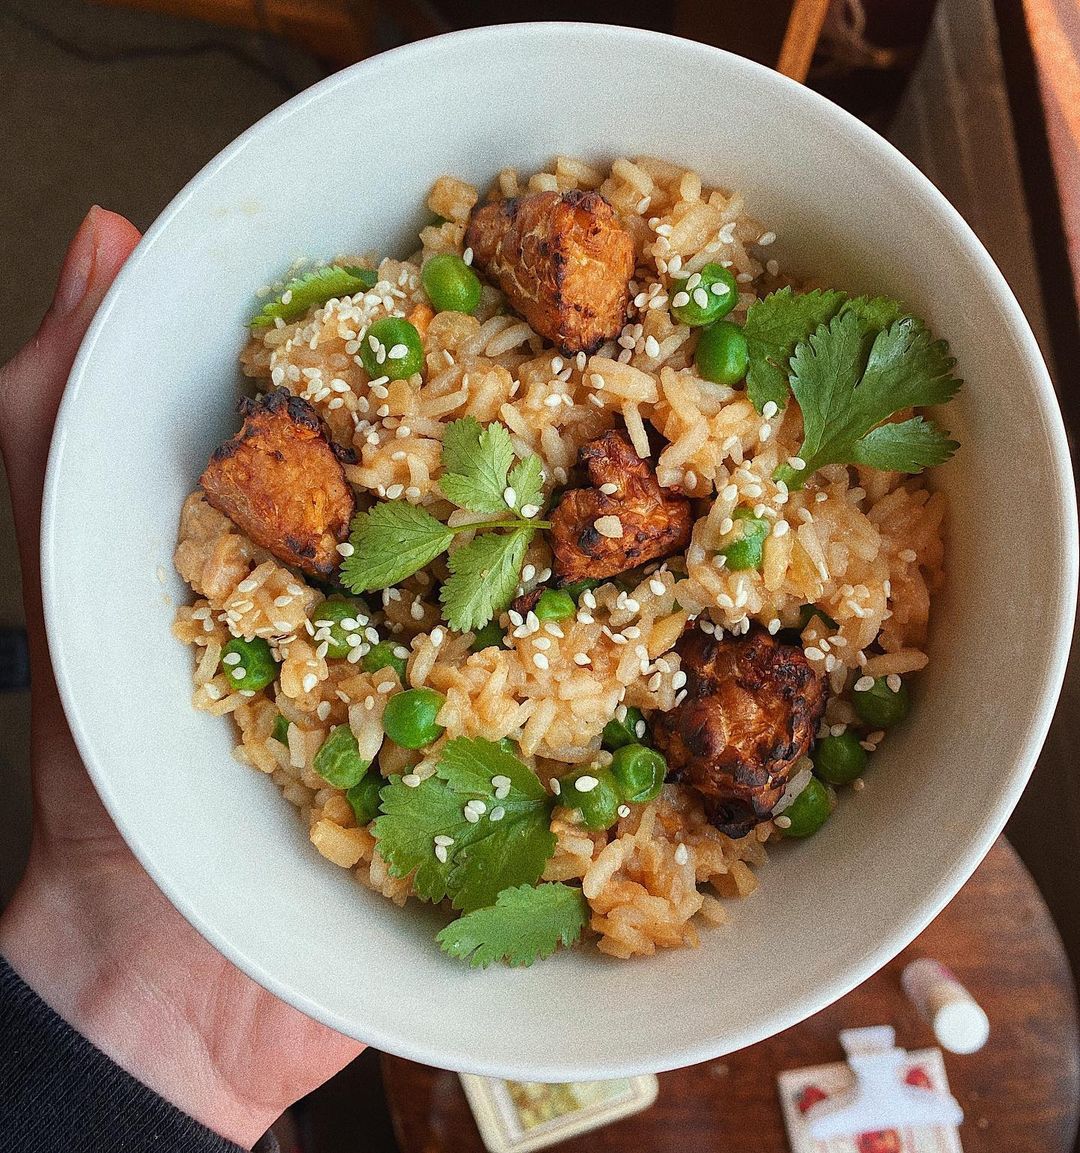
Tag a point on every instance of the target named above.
point(979, 840)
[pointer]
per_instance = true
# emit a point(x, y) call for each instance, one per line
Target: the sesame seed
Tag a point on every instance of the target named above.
point(394, 491)
point(345, 549)
point(680, 299)
point(540, 661)
point(780, 528)
point(677, 680)
point(701, 298)
point(655, 681)
point(528, 572)
point(467, 256)
point(542, 642)
point(528, 511)
point(582, 659)
point(657, 587)
point(440, 853)
point(652, 347)
point(586, 783)
point(681, 855)
point(894, 682)
point(624, 810)
point(231, 659)
point(782, 822)
point(247, 586)
point(864, 684)
point(589, 599)
point(437, 636)
point(323, 711)
point(609, 527)
point(471, 815)
point(238, 673)
point(309, 682)
point(609, 489)
point(555, 785)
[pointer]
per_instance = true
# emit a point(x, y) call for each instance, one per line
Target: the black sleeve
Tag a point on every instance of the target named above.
point(59, 1092)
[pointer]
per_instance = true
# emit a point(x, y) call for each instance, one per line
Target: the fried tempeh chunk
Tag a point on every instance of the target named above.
point(597, 533)
point(563, 260)
point(751, 710)
point(281, 483)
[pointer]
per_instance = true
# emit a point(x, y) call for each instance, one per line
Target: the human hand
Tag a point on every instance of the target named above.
point(87, 929)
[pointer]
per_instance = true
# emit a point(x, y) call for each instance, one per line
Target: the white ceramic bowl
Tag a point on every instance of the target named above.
point(347, 165)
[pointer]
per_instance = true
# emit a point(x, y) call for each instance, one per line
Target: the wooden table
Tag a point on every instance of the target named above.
point(1019, 1094)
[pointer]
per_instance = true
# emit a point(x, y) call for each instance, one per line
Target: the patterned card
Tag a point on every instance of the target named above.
point(801, 1088)
point(519, 1116)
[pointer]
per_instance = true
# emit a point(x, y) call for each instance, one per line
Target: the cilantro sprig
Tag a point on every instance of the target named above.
point(508, 844)
point(523, 925)
point(312, 288)
point(847, 394)
point(394, 539)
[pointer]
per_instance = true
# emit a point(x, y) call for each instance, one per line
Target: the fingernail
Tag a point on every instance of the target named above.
point(77, 267)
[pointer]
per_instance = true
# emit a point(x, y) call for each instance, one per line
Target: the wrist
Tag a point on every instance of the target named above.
point(114, 989)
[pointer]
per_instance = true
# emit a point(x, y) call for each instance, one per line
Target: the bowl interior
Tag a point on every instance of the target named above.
point(346, 167)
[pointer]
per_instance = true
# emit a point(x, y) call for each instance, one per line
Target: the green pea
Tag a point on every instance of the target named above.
point(809, 811)
point(451, 284)
point(840, 759)
point(248, 665)
point(280, 731)
point(745, 551)
point(490, 636)
point(700, 299)
point(639, 773)
point(364, 797)
point(409, 718)
point(386, 655)
point(576, 588)
point(555, 605)
point(595, 795)
point(392, 347)
point(880, 706)
point(338, 760)
point(722, 355)
point(335, 620)
point(628, 731)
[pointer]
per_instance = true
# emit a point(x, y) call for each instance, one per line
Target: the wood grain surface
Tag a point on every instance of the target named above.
point(1019, 1094)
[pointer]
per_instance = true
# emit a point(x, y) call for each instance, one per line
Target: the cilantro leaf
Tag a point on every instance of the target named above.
point(844, 394)
point(484, 574)
point(476, 460)
point(907, 369)
point(909, 446)
point(486, 856)
point(390, 543)
point(774, 327)
point(876, 312)
point(333, 281)
point(411, 819)
point(524, 924)
point(527, 480)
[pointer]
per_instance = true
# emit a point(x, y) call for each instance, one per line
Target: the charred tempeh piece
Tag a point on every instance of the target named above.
point(280, 481)
point(563, 260)
point(625, 520)
point(751, 710)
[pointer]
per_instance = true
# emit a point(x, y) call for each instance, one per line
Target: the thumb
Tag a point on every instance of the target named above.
point(32, 382)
